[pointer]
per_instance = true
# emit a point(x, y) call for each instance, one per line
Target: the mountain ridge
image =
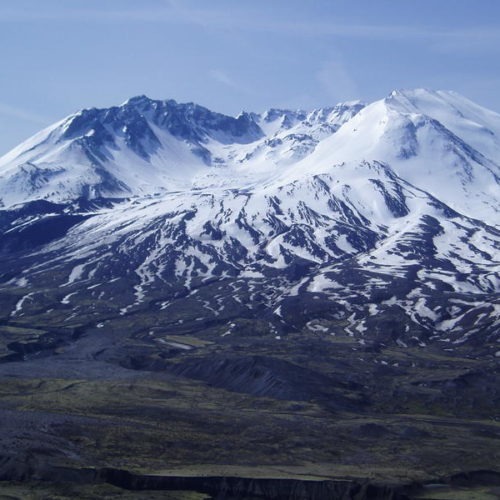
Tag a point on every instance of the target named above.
point(174, 142)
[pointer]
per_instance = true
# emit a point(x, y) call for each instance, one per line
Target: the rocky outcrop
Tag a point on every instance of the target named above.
point(235, 488)
point(216, 487)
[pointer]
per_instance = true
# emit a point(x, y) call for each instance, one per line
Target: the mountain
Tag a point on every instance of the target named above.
point(342, 202)
point(146, 146)
point(348, 256)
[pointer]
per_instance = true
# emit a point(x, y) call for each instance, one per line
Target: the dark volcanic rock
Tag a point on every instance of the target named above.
point(266, 377)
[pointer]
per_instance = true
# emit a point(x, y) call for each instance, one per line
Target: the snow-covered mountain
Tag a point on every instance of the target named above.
point(145, 147)
point(376, 221)
point(438, 141)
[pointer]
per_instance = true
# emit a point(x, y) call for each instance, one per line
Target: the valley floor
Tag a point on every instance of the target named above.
point(391, 417)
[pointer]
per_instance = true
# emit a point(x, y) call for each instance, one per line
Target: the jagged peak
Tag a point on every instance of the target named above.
point(273, 114)
point(137, 100)
point(333, 112)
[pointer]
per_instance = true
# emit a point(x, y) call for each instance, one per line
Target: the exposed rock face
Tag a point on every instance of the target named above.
point(238, 488)
point(230, 488)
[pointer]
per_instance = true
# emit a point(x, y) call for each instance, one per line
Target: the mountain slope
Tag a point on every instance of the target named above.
point(425, 152)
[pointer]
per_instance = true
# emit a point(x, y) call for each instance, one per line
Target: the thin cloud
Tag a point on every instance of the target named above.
point(167, 12)
point(21, 114)
point(467, 41)
point(336, 81)
point(176, 12)
point(222, 77)
point(143, 15)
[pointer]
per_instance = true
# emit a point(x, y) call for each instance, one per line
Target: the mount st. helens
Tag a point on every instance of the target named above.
point(389, 209)
point(297, 294)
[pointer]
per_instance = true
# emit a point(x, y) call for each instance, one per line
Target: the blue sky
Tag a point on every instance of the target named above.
point(58, 56)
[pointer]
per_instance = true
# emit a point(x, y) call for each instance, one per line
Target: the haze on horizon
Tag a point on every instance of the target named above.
point(61, 56)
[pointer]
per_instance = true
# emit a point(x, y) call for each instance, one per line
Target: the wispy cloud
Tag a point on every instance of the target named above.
point(21, 114)
point(336, 81)
point(169, 11)
point(467, 41)
point(246, 18)
point(222, 77)
point(139, 15)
